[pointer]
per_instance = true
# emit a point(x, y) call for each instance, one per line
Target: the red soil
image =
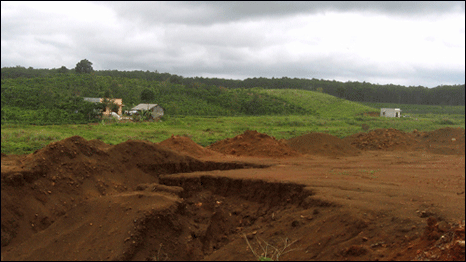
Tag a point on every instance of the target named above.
point(185, 145)
point(442, 141)
point(447, 141)
point(253, 143)
point(384, 139)
point(86, 200)
point(322, 144)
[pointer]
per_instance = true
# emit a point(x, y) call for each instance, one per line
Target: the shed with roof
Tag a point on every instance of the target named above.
point(155, 109)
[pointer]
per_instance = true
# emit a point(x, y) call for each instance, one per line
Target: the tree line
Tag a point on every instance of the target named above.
point(353, 91)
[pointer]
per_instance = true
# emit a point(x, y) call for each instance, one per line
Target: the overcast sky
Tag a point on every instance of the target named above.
point(405, 43)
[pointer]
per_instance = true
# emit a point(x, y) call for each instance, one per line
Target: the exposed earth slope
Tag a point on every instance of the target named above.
point(381, 195)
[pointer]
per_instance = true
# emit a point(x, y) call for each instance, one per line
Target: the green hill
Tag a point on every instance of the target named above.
point(324, 106)
point(58, 99)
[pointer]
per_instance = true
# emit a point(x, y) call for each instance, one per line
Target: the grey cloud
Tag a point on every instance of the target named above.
point(217, 39)
point(199, 12)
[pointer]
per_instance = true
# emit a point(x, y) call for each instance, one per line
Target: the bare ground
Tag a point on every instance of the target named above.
point(381, 195)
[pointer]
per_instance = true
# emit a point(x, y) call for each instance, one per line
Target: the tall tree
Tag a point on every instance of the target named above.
point(62, 70)
point(84, 66)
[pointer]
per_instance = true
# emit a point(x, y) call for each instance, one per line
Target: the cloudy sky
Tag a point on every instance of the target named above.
point(406, 43)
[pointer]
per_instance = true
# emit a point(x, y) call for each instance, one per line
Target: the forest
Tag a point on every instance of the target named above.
point(353, 91)
point(55, 96)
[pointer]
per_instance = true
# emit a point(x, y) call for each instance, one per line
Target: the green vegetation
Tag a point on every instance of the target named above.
point(439, 115)
point(23, 138)
point(58, 99)
point(84, 67)
point(39, 106)
point(353, 91)
point(420, 109)
point(321, 105)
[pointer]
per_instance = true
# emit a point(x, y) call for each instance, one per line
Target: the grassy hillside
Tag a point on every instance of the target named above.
point(325, 106)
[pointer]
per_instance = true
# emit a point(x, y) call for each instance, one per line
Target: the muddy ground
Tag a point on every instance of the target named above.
point(380, 195)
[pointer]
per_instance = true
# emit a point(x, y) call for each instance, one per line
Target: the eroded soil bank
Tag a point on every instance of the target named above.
point(393, 196)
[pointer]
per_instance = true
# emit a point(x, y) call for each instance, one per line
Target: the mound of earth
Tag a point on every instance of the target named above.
point(185, 145)
point(40, 187)
point(445, 141)
point(253, 143)
point(322, 144)
point(98, 144)
point(56, 155)
point(383, 139)
point(76, 157)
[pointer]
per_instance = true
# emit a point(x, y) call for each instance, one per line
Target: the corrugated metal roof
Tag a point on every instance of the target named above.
point(144, 107)
point(92, 99)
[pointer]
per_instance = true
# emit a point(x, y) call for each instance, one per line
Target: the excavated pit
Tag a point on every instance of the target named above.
point(214, 212)
point(183, 217)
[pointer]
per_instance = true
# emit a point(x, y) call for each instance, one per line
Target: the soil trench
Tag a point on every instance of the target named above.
point(215, 212)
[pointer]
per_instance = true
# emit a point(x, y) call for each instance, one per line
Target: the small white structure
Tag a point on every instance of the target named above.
point(390, 112)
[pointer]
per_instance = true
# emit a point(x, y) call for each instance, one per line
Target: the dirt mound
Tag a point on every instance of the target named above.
point(322, 144)
point(98, 144)
point(57, 154)
point(185, 145)
point(446, 141)
point(383, 139)
point(152, 158)
point(79, 157)
point(444, 135)
point(76, 157)
point(40, 187)
point(253, 143)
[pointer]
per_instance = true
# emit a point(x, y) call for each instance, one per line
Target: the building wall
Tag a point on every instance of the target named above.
point(390, 112)
point(157, 111)
point(118, 102)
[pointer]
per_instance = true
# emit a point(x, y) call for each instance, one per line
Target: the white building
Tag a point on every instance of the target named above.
point(390, 112)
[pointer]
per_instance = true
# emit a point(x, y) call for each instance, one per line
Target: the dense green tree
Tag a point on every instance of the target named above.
point(107, 94)
point(62, 70)
point(147, 96)
point(84, 66)
point(174, 79)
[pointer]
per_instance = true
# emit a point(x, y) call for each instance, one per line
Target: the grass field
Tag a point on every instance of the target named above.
point(324, 105)
point(22, 139)
point(421, 109)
